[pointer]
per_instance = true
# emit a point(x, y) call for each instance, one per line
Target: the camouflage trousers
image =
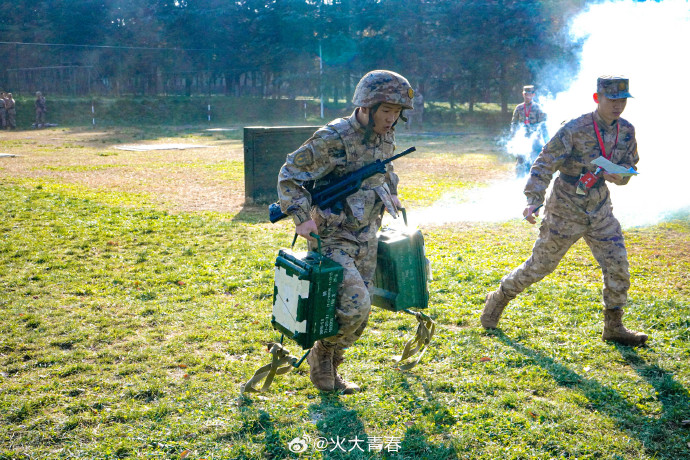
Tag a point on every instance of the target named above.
point(40, 117)
point(12, 118)
point(354, 301)
point(557, 234)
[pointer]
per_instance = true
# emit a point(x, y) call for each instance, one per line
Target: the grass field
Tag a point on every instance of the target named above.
point(135, 298)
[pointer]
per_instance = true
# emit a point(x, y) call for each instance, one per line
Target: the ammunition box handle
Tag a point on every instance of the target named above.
point(318, 240)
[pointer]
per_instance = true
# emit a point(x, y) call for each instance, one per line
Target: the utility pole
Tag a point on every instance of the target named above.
point(321, 76)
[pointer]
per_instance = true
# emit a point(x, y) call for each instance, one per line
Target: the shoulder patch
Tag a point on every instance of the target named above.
point(303, 157)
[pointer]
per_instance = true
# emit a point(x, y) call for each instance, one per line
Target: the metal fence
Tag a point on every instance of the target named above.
point(79, 70)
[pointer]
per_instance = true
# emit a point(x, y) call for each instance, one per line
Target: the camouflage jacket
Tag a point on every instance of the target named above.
point(335, 150)
point(536, 118)
point(570, 152)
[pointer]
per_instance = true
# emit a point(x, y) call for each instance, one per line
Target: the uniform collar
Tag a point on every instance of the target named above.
point(354, 122)
point(603, 124)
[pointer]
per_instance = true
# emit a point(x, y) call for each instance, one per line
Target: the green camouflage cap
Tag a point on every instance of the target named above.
point(613, 87)
point(380, 86)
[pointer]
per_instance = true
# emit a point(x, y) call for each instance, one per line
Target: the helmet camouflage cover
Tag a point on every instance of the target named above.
point(380, 86)
point(613, 87)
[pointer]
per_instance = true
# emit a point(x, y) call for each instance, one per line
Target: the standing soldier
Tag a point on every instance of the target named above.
point(348, 237)
point(10, 106)
point(579, 206)
point(529, 118)
point(415, 117)
point(41, 110)
point(3, 110)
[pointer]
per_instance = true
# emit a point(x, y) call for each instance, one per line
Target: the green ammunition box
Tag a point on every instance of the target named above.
point(402, 271)
point(305, 295)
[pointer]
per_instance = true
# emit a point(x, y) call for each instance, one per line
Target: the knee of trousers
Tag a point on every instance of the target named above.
point(525, 275)
point(354, 305)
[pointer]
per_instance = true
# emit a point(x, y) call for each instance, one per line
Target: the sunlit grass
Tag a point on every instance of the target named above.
point(127, 329)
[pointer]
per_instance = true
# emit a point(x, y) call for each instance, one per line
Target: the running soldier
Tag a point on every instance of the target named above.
point(579, 206)
point(348, 237)
point(529, 118)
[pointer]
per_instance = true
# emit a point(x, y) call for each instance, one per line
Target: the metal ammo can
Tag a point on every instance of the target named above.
point(402, 270)
point(305, 295)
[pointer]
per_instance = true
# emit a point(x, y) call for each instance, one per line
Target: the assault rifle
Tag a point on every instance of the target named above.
point(332, 194)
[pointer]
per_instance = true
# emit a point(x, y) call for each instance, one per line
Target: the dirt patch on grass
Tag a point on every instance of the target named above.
point(452, 168)
point(210, 178)
point(195, 179)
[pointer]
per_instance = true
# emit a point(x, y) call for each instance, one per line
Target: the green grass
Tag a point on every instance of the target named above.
point(126, 331)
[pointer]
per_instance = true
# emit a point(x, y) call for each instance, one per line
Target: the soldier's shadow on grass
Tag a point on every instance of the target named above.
point(255, 423)
point(671, 394)
point(252, 214)
point(651, 431)
point(337, 422)
point(342, 432)
point(415, 443)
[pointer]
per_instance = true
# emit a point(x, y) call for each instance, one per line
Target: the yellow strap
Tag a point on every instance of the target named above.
point(281, 363)
point(420, 342)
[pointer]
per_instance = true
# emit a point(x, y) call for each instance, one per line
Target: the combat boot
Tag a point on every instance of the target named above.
point(320, 361)
point(340, 384)
point(615, 331)
point(493, 308)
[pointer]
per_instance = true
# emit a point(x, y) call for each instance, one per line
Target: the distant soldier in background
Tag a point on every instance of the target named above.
point(41, 110)
point(531, 119)
point(10, 106)
point(3, 110)
point(579, 206)
point(415, 117)
point(348, 236)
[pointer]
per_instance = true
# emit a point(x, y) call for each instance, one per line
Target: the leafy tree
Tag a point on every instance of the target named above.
point(459, 51)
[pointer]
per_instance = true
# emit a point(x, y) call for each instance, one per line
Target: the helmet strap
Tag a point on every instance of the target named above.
point(369, 133)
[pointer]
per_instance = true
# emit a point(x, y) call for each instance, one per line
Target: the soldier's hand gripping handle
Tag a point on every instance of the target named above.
point(306, 228)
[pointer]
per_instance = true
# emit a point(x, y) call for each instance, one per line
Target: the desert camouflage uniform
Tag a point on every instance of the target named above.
point(348, 237)
point(3, 111)
point(536, 116)
point(415, 117)
point(535, 129)
point(10, 106)
point(40, 105)
point(569, 216)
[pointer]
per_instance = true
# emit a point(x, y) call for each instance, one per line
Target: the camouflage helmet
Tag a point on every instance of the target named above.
point(380, 86)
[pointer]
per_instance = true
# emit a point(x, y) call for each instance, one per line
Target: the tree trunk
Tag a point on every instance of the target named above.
point(503, 87)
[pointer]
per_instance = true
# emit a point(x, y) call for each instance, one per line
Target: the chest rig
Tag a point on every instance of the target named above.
point(359, 154)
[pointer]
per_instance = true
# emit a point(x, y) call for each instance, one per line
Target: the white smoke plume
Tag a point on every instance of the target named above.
point(649, 43)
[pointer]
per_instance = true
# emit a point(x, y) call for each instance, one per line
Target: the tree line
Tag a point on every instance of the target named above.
point(459, 51)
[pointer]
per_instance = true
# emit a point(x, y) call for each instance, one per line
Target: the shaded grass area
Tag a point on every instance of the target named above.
point(127, 330)
point(170, 111)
